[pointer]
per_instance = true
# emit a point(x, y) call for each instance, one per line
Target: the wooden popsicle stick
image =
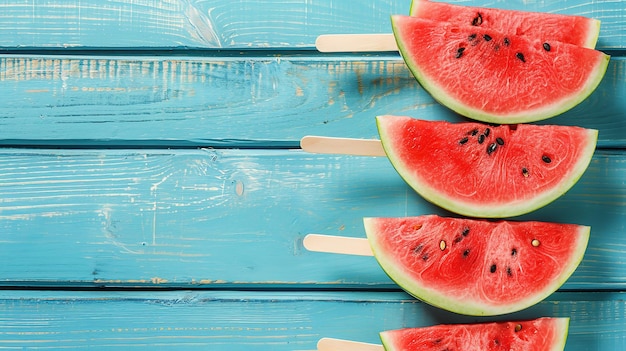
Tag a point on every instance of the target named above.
point(330, 344)
point(342, 146)
point(356, 42)
point(337, 244)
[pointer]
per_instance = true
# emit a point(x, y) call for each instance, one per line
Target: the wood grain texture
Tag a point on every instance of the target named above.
point(240, 24)
point(157, 200)
point(249, 101)
point(274, 321)
point(228, 218)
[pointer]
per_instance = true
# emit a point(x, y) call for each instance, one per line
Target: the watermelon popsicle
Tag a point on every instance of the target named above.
point(544, 333)
point(492, 65)
point(576, 30)
point(476, 169)
point(467, 266)
point(497, 77)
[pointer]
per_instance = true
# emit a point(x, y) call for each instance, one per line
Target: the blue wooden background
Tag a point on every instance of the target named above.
point(152, 194)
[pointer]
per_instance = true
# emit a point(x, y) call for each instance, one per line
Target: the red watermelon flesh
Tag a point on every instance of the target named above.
point(488, 171)
point(545, 334)
point(576, 30)
point(497, 77)
point(476, 267)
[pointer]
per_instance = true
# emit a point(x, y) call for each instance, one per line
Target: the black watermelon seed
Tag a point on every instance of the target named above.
point(520, 56)
point(425, 257)
point(509, 272)
point(507, 42)
point(491, 148)
point(487, 131)
point(418, 248)
point(481, 138)
point(546, 46)
point(487, 37)
point(465, 231)
point(471, 37)
point(463, 141)
point(525, 171)
point(466, 253)
point(493, 268)
point(546, 159)
point(513, 252)
point(459, 52)
point(500, 141)
point(474, 132)
point(478, 20)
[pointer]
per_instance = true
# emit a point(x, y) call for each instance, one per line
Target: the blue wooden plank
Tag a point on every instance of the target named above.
point(212, 24)
point(238, 101)
point(236, 218)
point(241, 24)
point(264, 320)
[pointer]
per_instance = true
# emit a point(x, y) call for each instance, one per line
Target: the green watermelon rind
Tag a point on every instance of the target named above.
point(592, 39)
point(469, 307)
point(495, 210)
point(525, 116)
point(590, 42)
point(561, 326)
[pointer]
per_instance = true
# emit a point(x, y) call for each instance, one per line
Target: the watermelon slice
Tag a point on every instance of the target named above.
point(575, 30)
point(546, 334)
point(482, 170)
point(497, 77)
point(476, 267)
